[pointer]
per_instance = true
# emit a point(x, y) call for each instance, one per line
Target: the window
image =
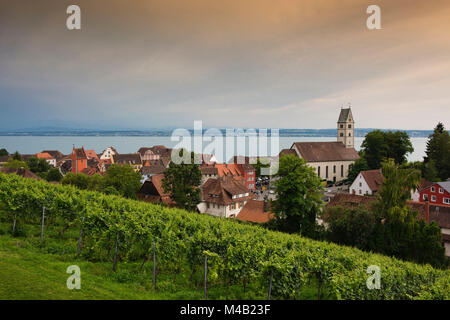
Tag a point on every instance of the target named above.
point(326, 171)
point(342, 126)
point(446, 201)
point(433, 189)
point(433, 198)
point(360, 192)
point(342, 134)
point(334, 169)
point(342, 170)
point(425, 197)
point(318, 171)
point(360, 184)
point(349, 126)
point(349, 134)
point(441, 190)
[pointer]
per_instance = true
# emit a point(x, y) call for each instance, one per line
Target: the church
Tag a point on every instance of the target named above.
point(331, 160)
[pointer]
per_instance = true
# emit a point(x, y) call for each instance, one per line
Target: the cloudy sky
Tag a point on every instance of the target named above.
point(140, 64)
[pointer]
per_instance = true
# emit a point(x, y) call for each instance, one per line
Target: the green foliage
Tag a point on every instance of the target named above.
point(437, 159)
point(4, 152)
point(379, 146)
point(124, 179)
point(119, 180)
point(298, 197)
point(15, 164)
point(17, 156)
point(356, 167)
point(182, 182)
point(242, 252)
point(389, 226)
point(38, 165)
point(54, 175)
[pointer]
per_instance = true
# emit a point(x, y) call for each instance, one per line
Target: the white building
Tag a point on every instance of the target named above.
point(367, 183)
point(223, 197)
point(331, 160)
point(108, 153)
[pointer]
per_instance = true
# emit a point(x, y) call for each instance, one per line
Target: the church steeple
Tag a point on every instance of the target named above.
point(346, 126)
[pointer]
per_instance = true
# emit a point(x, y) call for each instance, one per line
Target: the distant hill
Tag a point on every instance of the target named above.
point(168, 132)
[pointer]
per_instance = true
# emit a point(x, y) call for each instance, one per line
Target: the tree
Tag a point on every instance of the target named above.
point(437, 159)
point(379, 146)
point(15, 164)
point(4, 152)
point(356, 168)
point(17, 156)
point(182, 182)
point(54, 175)
point(79, 180)
point(298, 197)
point(38, 165)
point(124, 179)
point(389, 226)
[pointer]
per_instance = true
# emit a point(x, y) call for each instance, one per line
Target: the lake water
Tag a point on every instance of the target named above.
point(126, 144)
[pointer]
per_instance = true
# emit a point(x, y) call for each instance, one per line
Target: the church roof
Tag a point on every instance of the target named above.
point(345, 113)
point(325, 151)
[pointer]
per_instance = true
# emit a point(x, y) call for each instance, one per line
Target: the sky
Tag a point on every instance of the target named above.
point(142, 64)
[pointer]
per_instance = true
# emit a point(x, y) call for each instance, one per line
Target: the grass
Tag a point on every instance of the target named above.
point(30, 270)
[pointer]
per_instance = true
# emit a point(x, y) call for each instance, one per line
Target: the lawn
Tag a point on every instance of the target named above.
point(30, 271)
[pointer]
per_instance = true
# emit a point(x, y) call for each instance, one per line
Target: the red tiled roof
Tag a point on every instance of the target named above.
point(153, 191)
point(374, 178)
point(350, 200)
point(325, 151)
point(91, 154)
point(222, 190)
point(253, 211)
point(44, 155)
point(20, 172)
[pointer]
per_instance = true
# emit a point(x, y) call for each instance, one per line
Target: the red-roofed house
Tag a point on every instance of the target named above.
point(224, 197)
point(256, 211)
point(49, 158)
point(367, 182)
point(436, 193)
point(79, 160)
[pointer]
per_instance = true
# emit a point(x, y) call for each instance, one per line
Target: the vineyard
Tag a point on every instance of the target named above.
point(115, 230)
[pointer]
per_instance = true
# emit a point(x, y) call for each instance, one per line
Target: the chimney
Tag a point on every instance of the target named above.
point(427, 211)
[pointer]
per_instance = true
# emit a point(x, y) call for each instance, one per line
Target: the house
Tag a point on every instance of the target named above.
point(415, 194)
point(25, 173)
point(152, 168)
point(223, 197)
point(153, 191)
point(209, 172)
point(131, 159)
point(108, 153)
point(367, 182)
point(439, 213)
point(92, 155)
point(79, 160)
point(244, 173)
point(50, 159)
point(330, 160)
point(55, 154)
point(256, 211)
point(436, 193)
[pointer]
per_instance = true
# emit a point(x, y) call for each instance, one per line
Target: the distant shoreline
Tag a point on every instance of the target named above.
point(168, 133)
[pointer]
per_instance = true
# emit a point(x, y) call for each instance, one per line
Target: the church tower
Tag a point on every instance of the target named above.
point(346, 126)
